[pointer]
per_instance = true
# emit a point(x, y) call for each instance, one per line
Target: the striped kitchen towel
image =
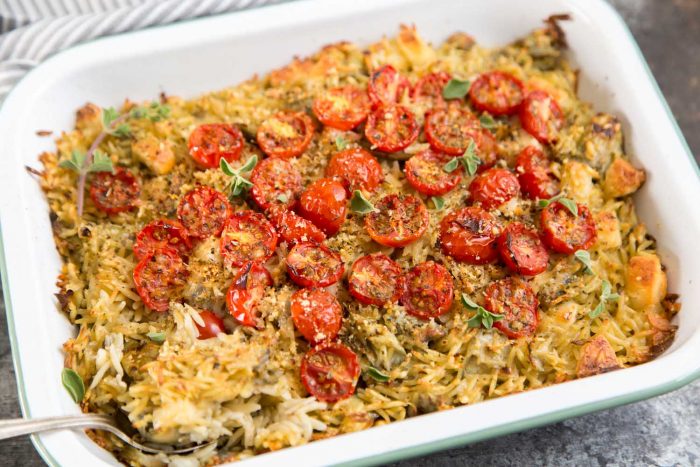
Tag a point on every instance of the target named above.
point(32, 30)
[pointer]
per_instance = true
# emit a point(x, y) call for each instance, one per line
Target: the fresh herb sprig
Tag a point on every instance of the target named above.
point(438, 203)
point(456, 88)
point(73, 384)
point(585, 258)
point(482, 317)
point(469, 160)
point(157, 337)
point(568, 203)
point(359, 204)
point(488, 122)
point(606, 296)
point(238, 184)
point(376, 374)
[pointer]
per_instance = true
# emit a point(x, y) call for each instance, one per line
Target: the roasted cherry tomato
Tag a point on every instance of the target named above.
point(398, 220)
point(330, 372)
point(428, 90)
point(494, 187)
point(324, 202)
point(356, 169)
point(375, 280)
point(497, 92)
point(317, 315)
point(245, 292)
point(522, 250)
point(451, 129)
point(541, 116)
point(391, 128)
point(565, 233)
point(313, 265)
point(387, 86)
point(160, 234)
point(203, 211)
point(469, 235)
point(343, 108)
point(211, 142)
point(213, 325)
point(428, 290)
point(514, 299)
point(286, 134)
point(115, 192)
point(426, 174)
point(534, 174)
point(247, 236)
point(275, 181)
point(292, 228)
point(159, 278)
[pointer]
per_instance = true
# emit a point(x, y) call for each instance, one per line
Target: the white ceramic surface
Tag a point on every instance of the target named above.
point(198, 56)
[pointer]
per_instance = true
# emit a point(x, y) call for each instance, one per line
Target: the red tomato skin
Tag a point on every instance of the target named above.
point(430, 163)
point(286, 149)
point(203, 212)
point(272, 178)
point(324, 202)
point(350, 117)
point(332, 358)
point(386, 86)
point(356, 169)
point(558, 237)
point(432, 285)
point(508, 296)
point(387, 275)
point(259, 248)
point(292, 228)
point(313, 265)
point(213, 325)
point(116, 192)
point(535, 177)
point(205, 144)
point(391, 128)
point(159, 234)
point(428, 89)
point(317, 315)
point(168, 278)
point(469, 235)
point(409, 208)
point(493, 83)
point(245, 292)
point(544, 130)
point(522, 250)
point(494, 187)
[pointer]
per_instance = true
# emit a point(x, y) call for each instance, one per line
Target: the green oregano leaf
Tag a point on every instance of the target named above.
point(73, 384)
point(75, 162)
point(109, 115)
point(566, 202)
point(438, 202)
point(451, 166)
point(470, 160)
point(585, 258)
point(249, 164)
point(606, 295)
point(360, 204)
point(456, 88)
point(488, 122)
point(157, 337)
point(282, 198)
point(101, 163)
point(340, 143)
point(377, 375)
point(226, 168)
point(482, 317)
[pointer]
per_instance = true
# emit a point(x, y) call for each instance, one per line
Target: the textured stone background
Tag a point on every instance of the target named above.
point(663, 431)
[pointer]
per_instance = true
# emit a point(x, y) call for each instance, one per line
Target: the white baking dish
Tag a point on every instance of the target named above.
point(198, 56)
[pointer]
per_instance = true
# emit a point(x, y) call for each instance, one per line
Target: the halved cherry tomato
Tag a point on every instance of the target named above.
point(213, 325)
point(451, 129)
point(115, 192)
point(565, 233)
point(522, 250)
point(247, 236)
point(391, 128)
point(159, 278)
point(494, 187)
point(541, 116)
point(324, 202)
point(387, 86)
point(317, 315)
point(375, 280)
point(343, 108)
point(159, 234)
point(275, 181)
point(330, 372)
point(398, 220)
point(428, 90)
point(535, 177)
point(515, 300)
point(245, 292)
point(356, 169)
point(469, 235)
point(211, 142)
point(497, 92)
point(425, 172)
point(203, 211)
point(292, 228)
point(313, 265)
point(428, 290)
point(286, 134)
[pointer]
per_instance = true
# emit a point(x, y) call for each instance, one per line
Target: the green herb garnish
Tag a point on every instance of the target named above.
point(73, 384)
point(585, 258)
point(238, 184)
point(456, 88)
point(605, 297)
point(488, 122)
point(157, 337)
point(469, 160)
point(377, 375)
point(438, 202)
point(482, 316)
point(360, 204)
point(566, 202)
point(340, 143)
point(282, 198)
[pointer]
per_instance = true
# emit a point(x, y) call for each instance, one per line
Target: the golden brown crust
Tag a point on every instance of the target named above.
point(597, 356)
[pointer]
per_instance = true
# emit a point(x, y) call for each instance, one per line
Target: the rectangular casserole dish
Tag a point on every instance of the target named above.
point(198, 56)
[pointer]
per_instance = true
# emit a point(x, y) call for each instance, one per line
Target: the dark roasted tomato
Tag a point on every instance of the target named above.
point(275, 181)
point(497, 92)
point(247, 236)
point(313, 265)
point(541, 116)
point(324, 202)
point(428, 290)
point(514, 299)
point(115, 192)
point(330, 371)
point(426, 174)
point(211, 142)
point(160, 234)
point(213, 325)
point(356, 169)
point(451, 129)
point(375, 280)
point(522, 250)
point(245, 292)
point(428, 90)
point(565, 233)
point(391, 128)
point(469, 235)
point(387, 86)
point(203, 211)
point(286, 134)
point(317, 315)
point(494, 187)
point(398, 220)
point(343, 108)
point(292, 228)
point(534, 174)
point(159, 278)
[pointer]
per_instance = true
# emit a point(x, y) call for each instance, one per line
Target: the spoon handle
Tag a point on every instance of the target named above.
point(22, 426)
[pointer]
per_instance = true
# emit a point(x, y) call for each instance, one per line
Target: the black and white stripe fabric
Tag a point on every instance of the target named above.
point(32, 30)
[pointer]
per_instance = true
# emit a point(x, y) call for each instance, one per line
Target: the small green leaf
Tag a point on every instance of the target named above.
point(613, 297)
point(474, 321)
point(488, 122)
point(605, 289)
point(377, 375)
point(249, 164)
point(566, 202)
point(226, 168)
point(157, 337)
point(456, 88)
point(451, 166)
point(468, 302)
point(101, 163)
point(75, 163)
point(69, 164)
point(598, 310)
point(73, 384)
point(470, 160)
point(122, 131)
point(585, 258)
point(282, 198)
point(360, 204)
point(340, 143)
point(438, 202)
point(109, 115)
point(138, 112)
